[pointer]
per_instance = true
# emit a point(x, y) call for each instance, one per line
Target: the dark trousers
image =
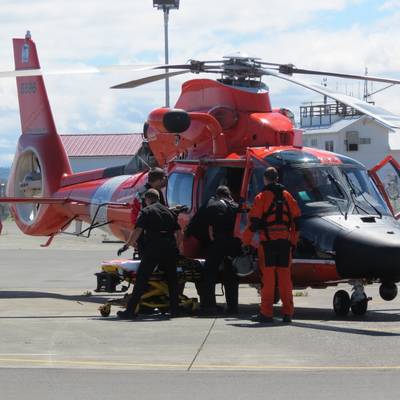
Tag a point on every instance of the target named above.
point(216, 254)
point(156, 254)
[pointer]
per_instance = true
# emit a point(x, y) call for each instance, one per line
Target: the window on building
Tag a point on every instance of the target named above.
point(365, 140)
point(329, 146)
point(179, 189)
point(314, 142)
point(352, 141)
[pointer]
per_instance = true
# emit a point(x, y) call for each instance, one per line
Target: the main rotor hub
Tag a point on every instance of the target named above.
point(241, 66)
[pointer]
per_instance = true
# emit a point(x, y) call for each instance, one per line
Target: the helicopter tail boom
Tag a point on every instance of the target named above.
point(40, 161)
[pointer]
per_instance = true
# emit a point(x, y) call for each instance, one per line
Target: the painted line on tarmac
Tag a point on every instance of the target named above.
point(104, 364)
point(93, 363)
point(25, 354)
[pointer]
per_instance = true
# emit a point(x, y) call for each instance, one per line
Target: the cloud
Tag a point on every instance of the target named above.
point(72, 33)
point(390, 5)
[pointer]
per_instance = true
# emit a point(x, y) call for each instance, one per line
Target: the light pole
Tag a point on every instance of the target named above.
point(166, 5)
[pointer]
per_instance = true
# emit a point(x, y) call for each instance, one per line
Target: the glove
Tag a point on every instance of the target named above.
point(122, 249)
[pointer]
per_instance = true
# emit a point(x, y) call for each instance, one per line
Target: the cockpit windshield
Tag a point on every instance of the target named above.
point(316, 189)
point(326, 189)
point(365, 195)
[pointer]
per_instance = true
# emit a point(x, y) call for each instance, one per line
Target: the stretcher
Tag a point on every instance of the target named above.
point(118, 275)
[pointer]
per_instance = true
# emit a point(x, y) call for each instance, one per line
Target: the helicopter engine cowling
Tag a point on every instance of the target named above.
point(203, 136)
point(167, 120)
point(176, 121)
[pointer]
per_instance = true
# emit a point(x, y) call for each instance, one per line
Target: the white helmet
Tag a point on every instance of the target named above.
point(243, 265)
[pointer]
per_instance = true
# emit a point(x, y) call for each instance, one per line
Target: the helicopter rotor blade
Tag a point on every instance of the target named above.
point(378, 113)
point(88, 70)
point(148, 79)
point(289, 69)
point(22, 72)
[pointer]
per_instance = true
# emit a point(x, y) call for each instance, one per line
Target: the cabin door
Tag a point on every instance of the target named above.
point(386, 176)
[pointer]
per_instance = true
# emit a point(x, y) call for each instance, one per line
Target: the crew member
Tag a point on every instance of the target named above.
point(274, 216)
point(159, 225)
point(156, 179)
point(221, 214)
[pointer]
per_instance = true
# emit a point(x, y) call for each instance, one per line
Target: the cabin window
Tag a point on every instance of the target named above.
point(180, 189)
point(222, 175)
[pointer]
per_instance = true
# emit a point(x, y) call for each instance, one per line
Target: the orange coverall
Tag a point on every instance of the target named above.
point(274, 249)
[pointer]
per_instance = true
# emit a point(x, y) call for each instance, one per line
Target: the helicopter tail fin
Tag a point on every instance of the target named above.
point(40, 161)
point(35, 112)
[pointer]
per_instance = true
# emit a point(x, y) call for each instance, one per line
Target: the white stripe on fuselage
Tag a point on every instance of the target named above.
point(103, 195)
point(312, 261)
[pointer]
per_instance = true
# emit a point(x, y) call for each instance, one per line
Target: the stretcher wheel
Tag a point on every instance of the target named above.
point(105, 310)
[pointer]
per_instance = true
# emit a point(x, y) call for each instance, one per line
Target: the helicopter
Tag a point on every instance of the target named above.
point(221, 131)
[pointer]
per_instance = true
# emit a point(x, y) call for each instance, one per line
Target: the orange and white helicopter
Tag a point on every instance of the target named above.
point(220, 131)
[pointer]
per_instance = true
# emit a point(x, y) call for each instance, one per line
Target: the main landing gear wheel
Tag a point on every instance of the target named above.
point(341, 303)
point(359, 306)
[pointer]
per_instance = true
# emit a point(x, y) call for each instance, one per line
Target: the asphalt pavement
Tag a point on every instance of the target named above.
point(55, 344)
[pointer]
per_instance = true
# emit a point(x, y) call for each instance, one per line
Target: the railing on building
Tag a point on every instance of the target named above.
point(325, 114)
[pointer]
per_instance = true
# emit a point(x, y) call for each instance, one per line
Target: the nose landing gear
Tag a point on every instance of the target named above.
point(358, 302)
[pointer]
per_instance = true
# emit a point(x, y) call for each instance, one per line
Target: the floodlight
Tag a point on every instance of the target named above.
point(162, 4)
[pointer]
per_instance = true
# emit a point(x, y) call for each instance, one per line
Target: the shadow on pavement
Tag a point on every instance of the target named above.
point(26, 294)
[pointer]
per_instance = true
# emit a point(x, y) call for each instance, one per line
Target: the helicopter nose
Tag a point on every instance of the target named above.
point(369, 253)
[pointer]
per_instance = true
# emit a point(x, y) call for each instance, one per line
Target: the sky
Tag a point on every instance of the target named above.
point(335, 35)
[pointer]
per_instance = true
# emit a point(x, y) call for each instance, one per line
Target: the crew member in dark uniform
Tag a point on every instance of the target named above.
point(159, 225)
point(156, 179)
point(221, 214)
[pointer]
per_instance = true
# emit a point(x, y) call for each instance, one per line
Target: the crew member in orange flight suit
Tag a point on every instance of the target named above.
point(274, 216)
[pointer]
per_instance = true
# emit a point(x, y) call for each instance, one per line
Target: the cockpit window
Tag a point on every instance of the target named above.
point(325, 189)
point(317, 190)
point(222, 175)
point(365, 195)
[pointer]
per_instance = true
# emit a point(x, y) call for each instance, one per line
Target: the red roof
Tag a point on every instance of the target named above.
point(90, 145)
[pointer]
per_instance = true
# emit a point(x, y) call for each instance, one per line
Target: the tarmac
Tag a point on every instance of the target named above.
point(49, 319)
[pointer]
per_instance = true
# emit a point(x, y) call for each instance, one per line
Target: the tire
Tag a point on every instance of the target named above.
point(359, 307)
point(341, 303)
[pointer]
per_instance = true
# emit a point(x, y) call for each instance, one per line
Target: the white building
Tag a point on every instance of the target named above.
point(338, 128)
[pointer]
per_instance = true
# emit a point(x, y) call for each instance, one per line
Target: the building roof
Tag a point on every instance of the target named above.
point(101, 145)
point(333, 128)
